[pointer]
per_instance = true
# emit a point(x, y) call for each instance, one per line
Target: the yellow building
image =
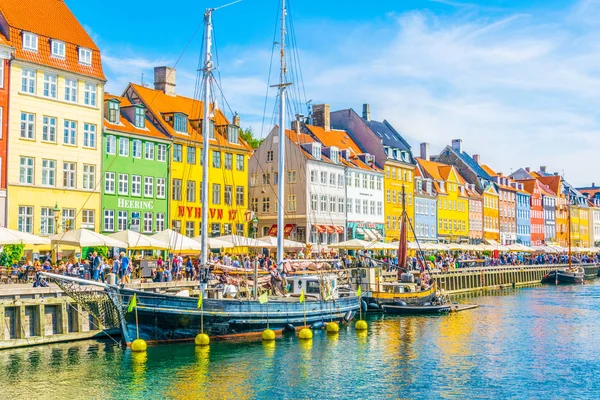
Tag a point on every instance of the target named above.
point(398, 179)
point(55, 132)
point(491, 214)
point(453, 201)
point(584, 227)
point(181, 118)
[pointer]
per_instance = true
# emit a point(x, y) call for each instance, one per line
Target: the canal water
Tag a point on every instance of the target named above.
point(539, 342)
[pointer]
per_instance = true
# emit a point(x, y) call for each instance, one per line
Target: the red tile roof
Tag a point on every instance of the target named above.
point(127, 127)
point(50, 19)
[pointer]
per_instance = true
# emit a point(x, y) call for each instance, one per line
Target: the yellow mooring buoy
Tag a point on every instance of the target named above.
point(305, 333)
point(361, 325)
point(139, 345)
point(268, 335)
point(333, 327)
point(202, 339)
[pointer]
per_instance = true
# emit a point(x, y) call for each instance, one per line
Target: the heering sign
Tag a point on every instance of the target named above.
point(136, 204)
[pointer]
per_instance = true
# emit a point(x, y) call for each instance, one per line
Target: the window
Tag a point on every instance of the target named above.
point(379, 208)
point(313, 176)
point(49, 129)
point(139, 119)
point(68, 219)
point(266, 179)
point(233, 133)
point(89, 176)
point(379, 183)
point(191, 155)
point(160, 188)
point(341, 205)
point(239, 229)
point(357, 207)
point(48, 173)
point(30, 41)
point(364, 181)
point(50, 85)
point(334, 155)
point(136, 185)
point(323, 177)
point(316, 151)
point(111, 144)
point(124, 147)
point(109, 182)
point(270, 156)
point(69, 179)
point(228, 161)
point(323, 204)
point(332, 181)
point(357, 179)
point(291, 176)
point(292, 203)
point(190, 228)
point(340, 180)
point(190, 193)
point(371, 182)
point(136, 148)
point(122, 220)
point(89, 135)
point(28, 81)
point(177, 152)
point(88, 219)
point(180, 123)
point(70, 133)
point(89, 94)
point(177, 189)
point(266, 204)
point(372, 208)
point(46, 221)
point(149, 151)
point(147, 228)
point(239, 162)
point(25, 219)
point(85, 56)
point(26, 170)
point(123, 184)
point(148, 186)
point(215, 230)
point(216, 193)
point(160, 222)
point(239, 195)
point(216, 160)
point(228, 194)
point(27, 125)
point(254, 204)
point(71, 93)
point(109, 220)
point(365, 207)
point(162, 153)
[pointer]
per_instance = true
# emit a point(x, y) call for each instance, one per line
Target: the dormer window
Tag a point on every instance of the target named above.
point(180, 123)
point(30, 41)
point(113, 111)
point(233, 133)
point(316, 151)
point(85, 56)
point(334, 155)
point(58, 49)
point(140, 117)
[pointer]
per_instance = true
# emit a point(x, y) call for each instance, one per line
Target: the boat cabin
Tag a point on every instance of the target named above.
point(315, 286)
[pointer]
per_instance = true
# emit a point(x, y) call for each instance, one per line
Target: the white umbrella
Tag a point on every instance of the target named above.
point(352, 244)
point(85, 238)
point(176, 241)
point(10, 236)
point(214, 243)
point(241, 241)
point(135, 240)
point(289, 244)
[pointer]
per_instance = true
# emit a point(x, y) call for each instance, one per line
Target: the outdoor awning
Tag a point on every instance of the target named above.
point(339, 229)
point(320, 228)
point(377, 234)
point(370, 234)
point(492, 242)
point(330, 229)
point(273, 230)
point(288, 229)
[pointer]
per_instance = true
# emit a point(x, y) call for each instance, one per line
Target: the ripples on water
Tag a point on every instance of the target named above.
point(539, 342)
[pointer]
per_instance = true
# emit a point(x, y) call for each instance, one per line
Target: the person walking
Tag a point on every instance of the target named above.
point(125, 268)
point(95, 265)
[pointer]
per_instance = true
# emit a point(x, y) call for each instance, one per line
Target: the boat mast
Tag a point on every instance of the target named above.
point(281, 160)
point(569, 228)
point(207, 73)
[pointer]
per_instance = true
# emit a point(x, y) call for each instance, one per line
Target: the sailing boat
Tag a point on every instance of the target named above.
point(162, 317)
point(571, 274)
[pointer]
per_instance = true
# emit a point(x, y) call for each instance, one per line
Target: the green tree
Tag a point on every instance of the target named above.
point(11, 253)
point(101, 250)
point(248, 136)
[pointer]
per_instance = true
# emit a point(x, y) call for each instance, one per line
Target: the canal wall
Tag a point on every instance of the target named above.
point(464, 280)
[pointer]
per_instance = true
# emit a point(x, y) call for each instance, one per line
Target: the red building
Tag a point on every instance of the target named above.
point(5, 55)
point(535, 189)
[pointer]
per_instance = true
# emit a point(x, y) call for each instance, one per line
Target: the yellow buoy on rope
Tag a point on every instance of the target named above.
point(202, 339)
point(361, 325)
point(139, 345)
point(305, 334)
point(268, 335)
point(333, 327)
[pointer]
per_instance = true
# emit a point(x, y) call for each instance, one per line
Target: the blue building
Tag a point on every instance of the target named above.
point(523, 207)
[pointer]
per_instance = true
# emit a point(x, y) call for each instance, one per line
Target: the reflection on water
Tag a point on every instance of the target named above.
point(515, 345)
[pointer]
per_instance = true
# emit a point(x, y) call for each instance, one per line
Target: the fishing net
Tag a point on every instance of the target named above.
point(97, 303)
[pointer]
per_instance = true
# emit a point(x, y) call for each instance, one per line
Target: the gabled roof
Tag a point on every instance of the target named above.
point(302, 138)
point(387, 133)
point(552, 182)
point(161, 104)
point(49, 19)
point(127, 126)
point(468, 160)
point(521, 174)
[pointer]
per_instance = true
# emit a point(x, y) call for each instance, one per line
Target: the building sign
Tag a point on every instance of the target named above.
point(213, 213)
point(137, 204)
point(367, 225)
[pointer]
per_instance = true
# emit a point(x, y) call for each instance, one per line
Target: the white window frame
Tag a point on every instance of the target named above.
point(30, 41)
point(147, 227)
point(160, 222)
point(149, 151)
point(136, 185)
point(28, 77)
point(148, 186)
point(89, 135)
point(71, 90)
point(70, 133)
point(49, 173)
point(85, 56)
point(160, 188)
point(26, 170)
point(89, 176)
point(89, 94)
point(111, 144)
point(46, 221)
point(109, 220)
point(48, 129)
point(161, 153)
point(58, 48)
point(69, 175)
point(25, 219)
point(124, 147)
point(88, 219)
point(123, 187)
point(109, 182)
point(27, 126)
point(50, 85)
point(122, 219)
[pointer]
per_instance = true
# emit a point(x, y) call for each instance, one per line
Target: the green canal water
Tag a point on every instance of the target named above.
point(540, 342)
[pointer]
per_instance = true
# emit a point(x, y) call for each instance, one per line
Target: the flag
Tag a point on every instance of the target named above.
point(302, 296)
point(132, 303)
point(358, 291)
point(200, 300)
point(263, 298)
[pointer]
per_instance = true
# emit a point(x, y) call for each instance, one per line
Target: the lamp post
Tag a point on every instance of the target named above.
point(56, 212)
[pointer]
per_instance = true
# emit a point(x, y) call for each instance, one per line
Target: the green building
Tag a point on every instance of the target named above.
point(135, 168)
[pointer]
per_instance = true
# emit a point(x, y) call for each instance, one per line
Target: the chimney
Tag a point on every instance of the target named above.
point(321, 116)
point(457, 145)
point(425, 151)
point(527, 169)
point(297, 123)
point(236, 119)
point(164, 80)
point(593, 184)
point(543, 169)
point(477, 158)
point(367, 112)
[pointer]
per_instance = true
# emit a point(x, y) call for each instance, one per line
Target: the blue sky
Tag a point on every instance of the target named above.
point(519, 83)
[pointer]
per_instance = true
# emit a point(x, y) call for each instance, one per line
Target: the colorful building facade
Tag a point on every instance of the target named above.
point(425, 208)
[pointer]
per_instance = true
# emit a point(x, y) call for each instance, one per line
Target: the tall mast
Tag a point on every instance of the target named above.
point(281, 161)
point(569, 229)
point(207, 73)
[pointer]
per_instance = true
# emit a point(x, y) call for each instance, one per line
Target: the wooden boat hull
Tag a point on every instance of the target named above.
point(416, 310)
point(165, 318)
point(564, 276)
point(410, 298)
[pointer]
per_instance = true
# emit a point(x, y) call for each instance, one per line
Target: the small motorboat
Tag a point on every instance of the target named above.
point(417, 310)
point(567, 275)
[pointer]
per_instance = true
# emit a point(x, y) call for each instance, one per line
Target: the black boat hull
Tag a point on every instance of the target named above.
point(563, 276)
point(417, 310)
